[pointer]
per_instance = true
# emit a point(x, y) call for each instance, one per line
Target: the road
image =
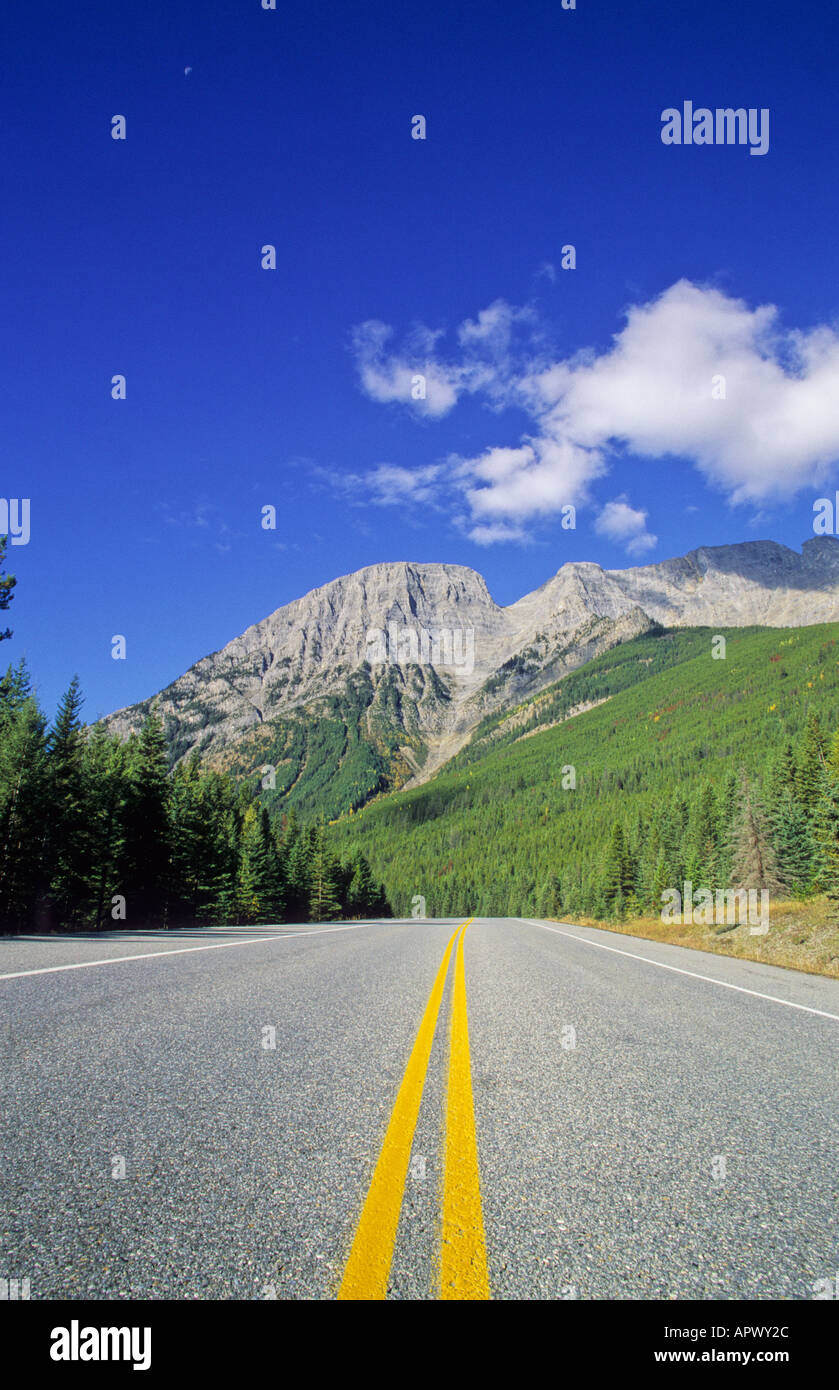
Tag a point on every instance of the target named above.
point(292, 1112)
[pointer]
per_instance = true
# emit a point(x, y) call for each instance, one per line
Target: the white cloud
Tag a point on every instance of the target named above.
point(394, 378)
point(625, 525)
point(391, 484)
point(386, 485)
point(538, 478)
point(694, 374)
point(496, 531)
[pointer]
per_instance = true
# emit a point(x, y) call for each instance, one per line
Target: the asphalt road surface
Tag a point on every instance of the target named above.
point(412, 1111)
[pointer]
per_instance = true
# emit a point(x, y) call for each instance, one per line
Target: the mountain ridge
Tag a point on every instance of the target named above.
point(409, 656)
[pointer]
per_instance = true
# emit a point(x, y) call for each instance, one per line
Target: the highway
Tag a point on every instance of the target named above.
point(465, 1109)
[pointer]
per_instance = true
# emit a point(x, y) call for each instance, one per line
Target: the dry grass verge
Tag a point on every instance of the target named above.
point(801, 936)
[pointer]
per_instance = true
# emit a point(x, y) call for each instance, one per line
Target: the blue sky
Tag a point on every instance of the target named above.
point(249, 387)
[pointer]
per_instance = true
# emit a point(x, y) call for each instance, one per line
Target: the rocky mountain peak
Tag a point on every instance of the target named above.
point(436, 652)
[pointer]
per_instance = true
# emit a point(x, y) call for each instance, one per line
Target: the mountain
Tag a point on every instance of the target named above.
point(377, 679)
point(654, 736)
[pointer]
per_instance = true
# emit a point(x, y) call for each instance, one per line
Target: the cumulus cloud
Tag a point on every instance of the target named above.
point(694, 373)
point(496, 531)
point(625, 525)
point(700, 375)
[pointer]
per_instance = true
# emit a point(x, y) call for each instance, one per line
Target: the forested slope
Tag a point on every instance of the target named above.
point(685, 762)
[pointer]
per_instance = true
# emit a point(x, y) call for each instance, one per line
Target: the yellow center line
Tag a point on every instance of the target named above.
point(463, 1259)
point(368, 1264)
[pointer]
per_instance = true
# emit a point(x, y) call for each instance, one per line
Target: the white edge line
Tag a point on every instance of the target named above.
point(179, 951)
point(709, 979)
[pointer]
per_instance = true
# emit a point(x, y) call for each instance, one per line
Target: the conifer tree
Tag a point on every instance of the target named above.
point(24, 805)
point(259, 886)
point(753, 858)
point(703, 869)
point(144, 870)
point(811, 764)
point(104, 774)
point(833, 757)
point(68, 870)
point(362, 892)
point(299, 877)
point(218, 849)
point(826, 833)
point(795, 847)
point(660, 883)
point(618, 875)
point(324, 900)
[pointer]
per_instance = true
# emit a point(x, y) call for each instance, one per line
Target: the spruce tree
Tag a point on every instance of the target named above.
point(218, 849)
point(324, 901)
point(703, 867)
point(618, 885)
point(795, 847)
point(69, 871)
point(299, 877)
point(826, 833)
point(24, 807)
point(104, 772)
point(361, 891)
point(144, 870)
point(259, 886)
point(811, 764)
point(661, 881)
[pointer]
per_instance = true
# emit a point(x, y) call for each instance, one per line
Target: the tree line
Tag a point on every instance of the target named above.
point(97, 832)
point(780, 833)
point(720, 772)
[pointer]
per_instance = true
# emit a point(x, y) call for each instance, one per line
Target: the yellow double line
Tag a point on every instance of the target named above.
point(463, 1262)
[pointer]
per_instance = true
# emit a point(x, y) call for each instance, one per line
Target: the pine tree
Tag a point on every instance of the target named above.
point(795, 847)
point(144, 869)
point(186, 823)
point(660, 882)
point(259, 886)
point(324, 901)
point(218, 850)
point(826, 834)
point(299, 877)
point(833, 757)
point(702, 869)
point(24, 804)
point(361, 891)
point(104, 773)
point(618, 886)
point(811, 764)
point(68, 869)
point(753, 858)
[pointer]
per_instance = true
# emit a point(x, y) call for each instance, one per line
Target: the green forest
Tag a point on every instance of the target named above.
point(684, 754)
point(721, 771)
point(97, 832)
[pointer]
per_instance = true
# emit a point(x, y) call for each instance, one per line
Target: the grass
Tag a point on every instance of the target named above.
point(802, 936)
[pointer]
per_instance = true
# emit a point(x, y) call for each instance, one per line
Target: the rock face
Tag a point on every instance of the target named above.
point(440, 654)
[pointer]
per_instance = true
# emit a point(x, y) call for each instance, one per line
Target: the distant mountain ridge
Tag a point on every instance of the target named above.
point(335, 680)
